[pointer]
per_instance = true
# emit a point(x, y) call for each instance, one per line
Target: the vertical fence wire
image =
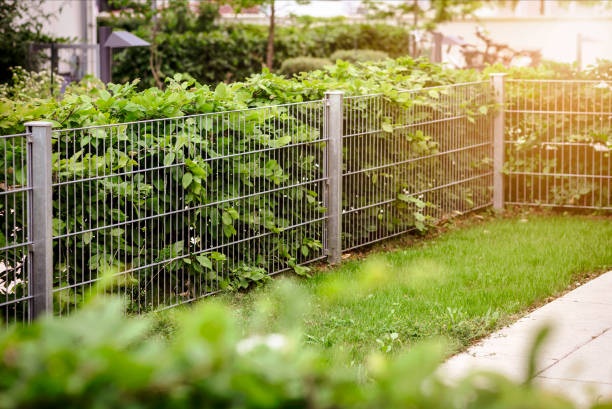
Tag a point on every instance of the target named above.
point(166, 211)
point(558, 137)
point(421, 158)
point(15, 196)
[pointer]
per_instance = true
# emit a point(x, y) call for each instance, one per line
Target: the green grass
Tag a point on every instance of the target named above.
point(460, 285)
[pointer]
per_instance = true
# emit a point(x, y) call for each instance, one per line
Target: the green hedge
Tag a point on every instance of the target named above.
point(354, 56)
point(297, 65)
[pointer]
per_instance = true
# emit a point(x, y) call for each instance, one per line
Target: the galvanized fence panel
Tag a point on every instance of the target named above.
point(15, 239)
point(558, 137)
point(424, 157)
point(167, 211)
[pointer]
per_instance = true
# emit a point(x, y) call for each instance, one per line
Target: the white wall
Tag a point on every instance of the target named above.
point(67, 21)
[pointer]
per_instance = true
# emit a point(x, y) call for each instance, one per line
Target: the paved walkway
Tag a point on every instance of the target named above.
point(576, 360)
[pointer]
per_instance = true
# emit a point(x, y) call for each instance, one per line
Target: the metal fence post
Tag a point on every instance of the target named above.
point(498, 82)
point(40, 284)
point(334, 122)
point(105, 55)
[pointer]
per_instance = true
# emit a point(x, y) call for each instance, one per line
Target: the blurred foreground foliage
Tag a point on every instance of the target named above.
point(98, 358)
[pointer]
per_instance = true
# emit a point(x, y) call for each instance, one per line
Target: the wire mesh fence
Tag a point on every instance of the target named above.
point(15, 190)
point(424, 157)
point(558, 137)
point(176, 209)
point(163, 212)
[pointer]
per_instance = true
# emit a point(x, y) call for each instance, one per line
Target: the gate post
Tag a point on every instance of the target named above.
point(333, 127)
point(498, 82)
point(40, 283)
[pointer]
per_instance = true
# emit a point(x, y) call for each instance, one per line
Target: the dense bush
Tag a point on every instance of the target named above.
point(26, 84)
point(354, 56)
point(202, 179)
point(98, 358)
point(297, 65)
point(78, 107)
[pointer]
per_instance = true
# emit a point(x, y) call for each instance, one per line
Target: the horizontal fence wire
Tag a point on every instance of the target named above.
point(422, 157)
point(558, 137)
point(166, 211)
point(15, 195)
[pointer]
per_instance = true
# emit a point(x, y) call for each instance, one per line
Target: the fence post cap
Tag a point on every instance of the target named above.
point(39, 123)
point(334, 92)
point(498, 74)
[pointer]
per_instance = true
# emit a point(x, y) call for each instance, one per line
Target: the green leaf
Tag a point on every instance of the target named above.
point(483, 110)
point(169, 158)
point(87, 237)
point(387, 127)
point(187, 178)
point(215, 255)
point(221, 91)
point(204, 261)
point(58, 226)
point(228, 230)
point(116, 232)
point(233, 212)
point(227, 218)
point(301, 270)
point(411, 199)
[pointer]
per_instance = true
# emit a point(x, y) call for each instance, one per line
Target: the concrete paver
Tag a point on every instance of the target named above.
point(596, 291)
point(576, 359)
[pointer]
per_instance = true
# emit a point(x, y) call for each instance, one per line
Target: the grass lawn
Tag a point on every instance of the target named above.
point(461, 285)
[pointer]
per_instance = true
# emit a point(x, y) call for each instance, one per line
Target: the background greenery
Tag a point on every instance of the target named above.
point(212, 51)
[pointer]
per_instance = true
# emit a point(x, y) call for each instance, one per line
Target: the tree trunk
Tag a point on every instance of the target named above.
point(154, 60)
point(415, 24)
point(270, 51)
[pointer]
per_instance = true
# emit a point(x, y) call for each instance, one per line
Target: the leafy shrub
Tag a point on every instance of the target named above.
point(354, 56)
point(90, 103)
point(297, 65)
point(29, 84)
